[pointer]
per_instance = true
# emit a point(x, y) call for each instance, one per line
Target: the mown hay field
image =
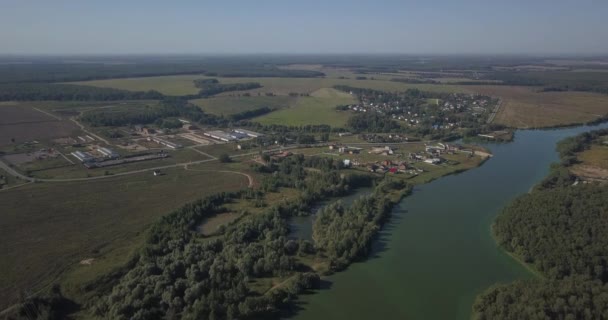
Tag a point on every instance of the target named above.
point(525, 107)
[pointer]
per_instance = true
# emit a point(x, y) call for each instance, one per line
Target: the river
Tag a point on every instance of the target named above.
point(437, 253)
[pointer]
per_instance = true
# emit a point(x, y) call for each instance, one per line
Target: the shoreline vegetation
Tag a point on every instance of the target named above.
point(558, 231)
point(249, 268)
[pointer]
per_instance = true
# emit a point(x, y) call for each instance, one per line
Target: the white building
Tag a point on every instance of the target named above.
point(83, 156)
point(108, 153)
point(248, 133)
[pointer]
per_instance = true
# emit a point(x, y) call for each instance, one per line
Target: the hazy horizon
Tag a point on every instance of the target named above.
point(438, 27)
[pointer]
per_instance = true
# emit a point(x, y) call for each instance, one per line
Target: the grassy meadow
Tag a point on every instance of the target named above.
point(169, 85)
point(319, 108)
point(525, 107)
point(60, 224)
point(230, 105)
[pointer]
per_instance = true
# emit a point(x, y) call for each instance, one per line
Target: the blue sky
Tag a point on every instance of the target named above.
point(287, 26)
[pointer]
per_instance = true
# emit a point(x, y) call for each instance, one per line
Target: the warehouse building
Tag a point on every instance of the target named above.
point(83, 156)
point(166, 143)
point(248, 133)
point(108, 153)
point(220, 135)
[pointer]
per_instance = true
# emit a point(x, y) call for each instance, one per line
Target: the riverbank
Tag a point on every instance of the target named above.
point(535, 227)
point(437, 253)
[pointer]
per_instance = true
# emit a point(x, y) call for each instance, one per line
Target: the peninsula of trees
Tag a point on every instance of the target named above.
point(561, 231)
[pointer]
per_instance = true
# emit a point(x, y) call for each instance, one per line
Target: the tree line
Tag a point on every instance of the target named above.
point(145, 114)
point(46, 70)
point(70, 92)
point(211, 87)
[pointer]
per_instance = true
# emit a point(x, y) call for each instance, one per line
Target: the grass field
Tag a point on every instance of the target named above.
point(593, 162)
point(182, 85)
point(523, 107)
point(319, 108)
point(169, 85)
point(46, 229)
point(20, 123)
point(230, 105)
point(212, 224)
point(596, 156)
point(9, 181)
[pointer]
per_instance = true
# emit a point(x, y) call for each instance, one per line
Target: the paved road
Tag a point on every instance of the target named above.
point(248, 176)
point(89, 132)
point(494, 112)
point(14, 173)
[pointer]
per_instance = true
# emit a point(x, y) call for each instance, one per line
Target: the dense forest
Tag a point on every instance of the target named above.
point(263, 72)
point(344, 234)
point(145, 114)
point(250, 114)
point(570, 299)
point(209, 87)
point(50, 70)
point(560, 230)
point(554, 80)
point(70, 92)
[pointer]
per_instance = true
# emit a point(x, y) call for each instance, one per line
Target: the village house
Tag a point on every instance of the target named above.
point(433, 160)
point(382, 150)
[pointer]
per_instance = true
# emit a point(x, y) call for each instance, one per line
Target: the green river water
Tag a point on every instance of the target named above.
point(437, 253)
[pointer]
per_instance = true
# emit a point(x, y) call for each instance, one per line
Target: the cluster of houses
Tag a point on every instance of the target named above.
point(386, 151)
point(345, 149)
point(432, 154)
point(442, 113)
point(388, 166)
point(384, 138)
point(145, 130)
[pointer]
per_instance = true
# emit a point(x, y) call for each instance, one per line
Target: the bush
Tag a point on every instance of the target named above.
point(224, 158)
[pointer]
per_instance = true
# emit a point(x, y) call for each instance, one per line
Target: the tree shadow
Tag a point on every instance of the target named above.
point(381, 243)
point(300, 305)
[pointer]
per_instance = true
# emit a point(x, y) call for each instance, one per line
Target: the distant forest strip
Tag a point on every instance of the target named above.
point(64, 72)
point(210, 87)
point(562, 231)
point(180, 273)
point(263, 73)
point(70, 92)
point(53, 71)
point(250, 114)
point(414, 81)
point(146, 114)
point(552, 80)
